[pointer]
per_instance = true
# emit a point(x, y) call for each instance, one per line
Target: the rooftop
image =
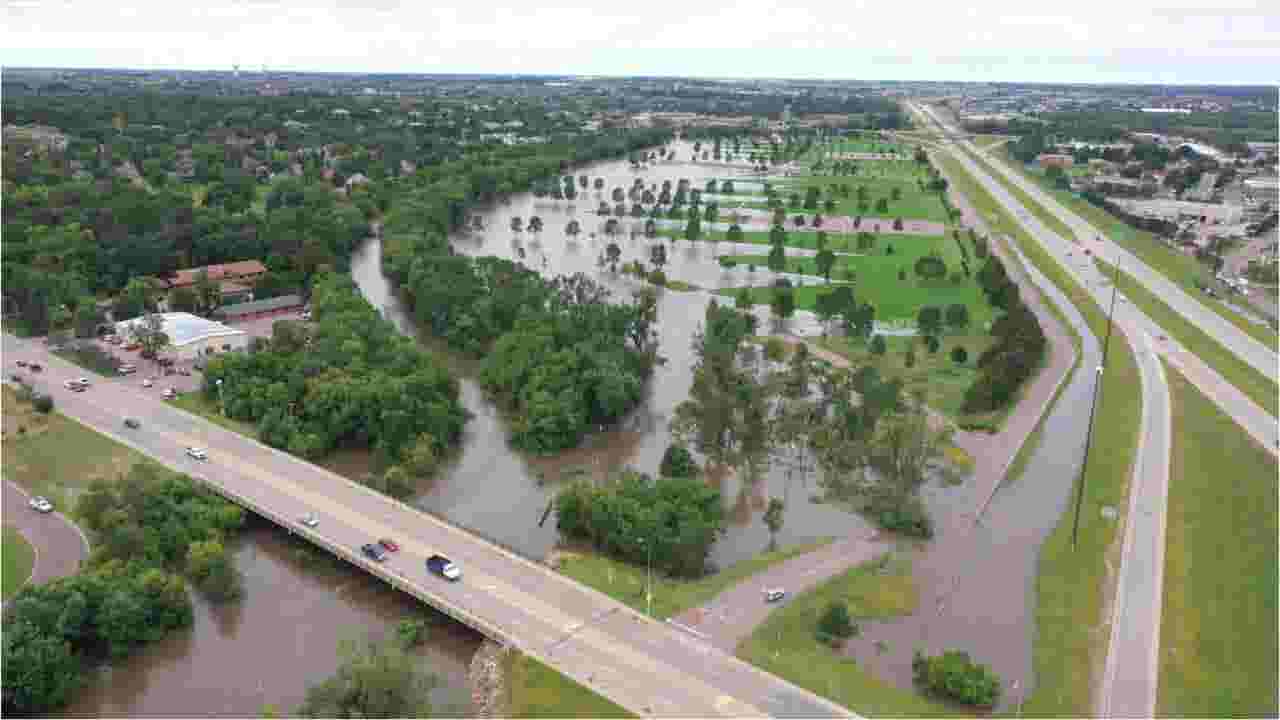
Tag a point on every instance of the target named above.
point(182, 328)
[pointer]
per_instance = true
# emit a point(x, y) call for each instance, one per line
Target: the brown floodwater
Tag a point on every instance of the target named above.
point(280, 639)
point(501, 493)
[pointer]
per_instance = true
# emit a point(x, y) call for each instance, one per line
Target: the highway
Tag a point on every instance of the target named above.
point(646, 666)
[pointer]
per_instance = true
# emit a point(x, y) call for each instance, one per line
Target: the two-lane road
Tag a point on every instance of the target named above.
point(644, 665)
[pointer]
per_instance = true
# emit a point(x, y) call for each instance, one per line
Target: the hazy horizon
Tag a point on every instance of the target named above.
point(1086, 43)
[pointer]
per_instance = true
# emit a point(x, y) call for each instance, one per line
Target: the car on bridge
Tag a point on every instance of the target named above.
point(40, 504)
point(442, 566)
point(309, 520)
point(389, 545)
point(196, 453)
point(374, 552)
point(132, 423)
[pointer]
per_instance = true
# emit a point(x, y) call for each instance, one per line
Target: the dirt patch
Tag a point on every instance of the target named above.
point(487, 678)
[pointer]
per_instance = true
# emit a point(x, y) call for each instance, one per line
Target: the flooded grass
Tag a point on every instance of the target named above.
point(1218, 632)
point(626, 583)
point(785, 644)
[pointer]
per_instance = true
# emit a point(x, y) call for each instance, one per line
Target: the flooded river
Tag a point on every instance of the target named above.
point(275, 643)
point(501, 493)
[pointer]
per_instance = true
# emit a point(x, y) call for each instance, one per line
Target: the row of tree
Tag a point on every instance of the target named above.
point(1020, 344)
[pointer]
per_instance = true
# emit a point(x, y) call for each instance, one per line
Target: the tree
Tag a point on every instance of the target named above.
point(598, 184)
point(184, 299)
point(535, 224)
point(835, 625)
point(959, 355)
point(208, 291)
point(149, 333)
point(825, 260)
point(878, 346)
point(677, 462)
point(212, 571)
point(882, 206)
point(958, 315)
point(932, 343)
point(742, 300)
point(897, 223)
point(693, 230)
point(783, 302)
point(909, 358)
point(288, 336)
point(957, 677)
point(798, 221)
point(931, 267)
point(773, 519)
point(422, 459)
point(658, 255)
point(614, 253)
point(573, 228)
point(375, 680)
point(40, 671)
point(777, 260)
point(734, 235)
point(86, 318)
point(929, 320)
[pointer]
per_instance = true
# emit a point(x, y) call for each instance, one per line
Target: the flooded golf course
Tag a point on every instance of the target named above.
point(976, 582)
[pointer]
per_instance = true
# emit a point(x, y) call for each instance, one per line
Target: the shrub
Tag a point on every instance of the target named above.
point(677, 462)
point(411, 632)
point(42, 403)
point(959, 355)
point(657, 277)
point(955, 676)
point(900, 513)
point(930, 267)
point(835, 625)
point(878, 346)
point(931, 343)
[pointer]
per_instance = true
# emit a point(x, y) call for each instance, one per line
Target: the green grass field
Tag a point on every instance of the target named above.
point(839, 242)
point(196, 404)
point(1069, 643)
point(18, 559)
point(1260, 388)
point(537, 691)
point(1179, 268)
point(942, 381)
point(1218, 632)
point(879, 177)
point(785, 645)
point(625, 582)
point(57, 457)
point(864, 145)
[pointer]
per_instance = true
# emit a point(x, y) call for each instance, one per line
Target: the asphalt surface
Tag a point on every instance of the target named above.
point(1246, 347)
point(59, 545)
point(1130, 675)
point(648, 667)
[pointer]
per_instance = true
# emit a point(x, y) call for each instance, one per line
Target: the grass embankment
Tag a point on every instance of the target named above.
point(197, 404)
point(1179, 268)
point(1070, 638)
point(18, 559)
point(942, 381)
point(536, 691)
point(785, 645)
point(1260, 388)
point(1218, 634)
point(56, 456)
point(626, 583)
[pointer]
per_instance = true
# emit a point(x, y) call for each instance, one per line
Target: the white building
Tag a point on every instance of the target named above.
point(191, 336)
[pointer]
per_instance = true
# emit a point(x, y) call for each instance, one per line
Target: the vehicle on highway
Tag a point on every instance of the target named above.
point(309, 520)
point(442, 566)
point(132, 423)
point(132, 346)
point(34, 367)
point(374, 552)
point(127, 369)
point(389, 545)
point(197, 453)
point(169, 393)
point(774, 594)
point(40, 503)
point(75, 385)
point(22, 363)
point(147, 382)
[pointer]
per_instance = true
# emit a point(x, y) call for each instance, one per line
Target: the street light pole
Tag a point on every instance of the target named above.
point(1097, 387)
point(221, 400)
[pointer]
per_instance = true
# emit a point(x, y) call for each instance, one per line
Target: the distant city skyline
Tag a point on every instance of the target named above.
point(1084, 42)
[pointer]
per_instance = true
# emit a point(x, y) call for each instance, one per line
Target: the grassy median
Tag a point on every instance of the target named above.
point(1179, 268)
point(1260, 388)
point(785, 644)
point(18, 560)
point(1218, 634)
point(1070, 640)
point(1042, 214)
point(625, 582)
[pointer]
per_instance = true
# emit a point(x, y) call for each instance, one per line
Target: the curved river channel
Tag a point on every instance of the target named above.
point(283, 636)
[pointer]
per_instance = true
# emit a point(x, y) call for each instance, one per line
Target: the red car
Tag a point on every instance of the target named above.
point(389, 545)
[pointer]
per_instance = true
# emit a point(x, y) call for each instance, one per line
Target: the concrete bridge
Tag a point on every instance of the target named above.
point(649, 667)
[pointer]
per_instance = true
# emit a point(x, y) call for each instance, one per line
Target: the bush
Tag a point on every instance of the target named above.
point(42, 403)
point(955, 676)
point(931, 343)
point(959, 355)
point(657, 277)
point(835, 625)
point(677, 462)
point(900, 513)
point(931, 268)
point(411, 632)
point(878, 345)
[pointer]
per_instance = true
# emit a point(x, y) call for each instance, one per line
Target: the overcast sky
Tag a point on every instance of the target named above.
point(1082, 41)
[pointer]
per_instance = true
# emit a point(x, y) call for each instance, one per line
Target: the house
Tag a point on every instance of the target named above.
point(235, 280)
point(260, 308)
point(191, 336)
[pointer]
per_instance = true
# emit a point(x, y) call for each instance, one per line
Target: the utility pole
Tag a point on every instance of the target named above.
point(1097, 387)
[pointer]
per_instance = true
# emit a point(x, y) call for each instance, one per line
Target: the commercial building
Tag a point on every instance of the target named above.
point(1049, 160)
point(260, 308)
point(191, 336)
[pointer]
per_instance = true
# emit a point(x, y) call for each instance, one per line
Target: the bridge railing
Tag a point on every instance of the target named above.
point(393, 577)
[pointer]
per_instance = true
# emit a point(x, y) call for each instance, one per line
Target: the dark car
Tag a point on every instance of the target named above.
point(34, 367)
point(374, 552)
point(442, 566)
point(132, 423)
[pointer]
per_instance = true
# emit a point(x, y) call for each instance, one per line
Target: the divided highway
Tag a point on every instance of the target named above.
point(643, 665)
